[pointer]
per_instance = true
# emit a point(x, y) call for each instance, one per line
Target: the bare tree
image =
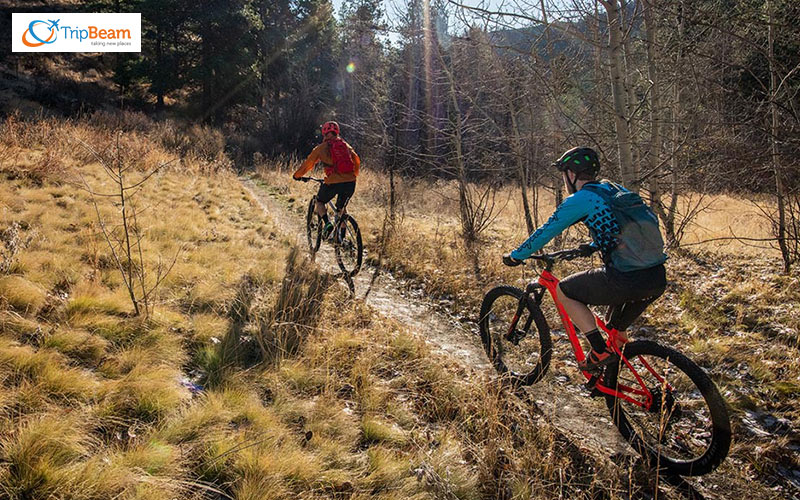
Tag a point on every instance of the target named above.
point(779, 225)
point(125, 239)
point(476, 203)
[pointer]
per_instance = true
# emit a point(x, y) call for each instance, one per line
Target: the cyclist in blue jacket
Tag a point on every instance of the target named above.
point(629, 281)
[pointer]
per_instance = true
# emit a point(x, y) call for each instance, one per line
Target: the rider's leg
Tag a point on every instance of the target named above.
point(325, 194)
point(588, 287)
point(623, 316)
point(613, 316)
point(606, 286)
point(345, 192)
point(583, 318)
point(579, 313)
point(322, 211)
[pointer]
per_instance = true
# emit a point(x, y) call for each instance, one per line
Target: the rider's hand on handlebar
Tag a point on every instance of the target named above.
point(586, 250)
point(511, 261)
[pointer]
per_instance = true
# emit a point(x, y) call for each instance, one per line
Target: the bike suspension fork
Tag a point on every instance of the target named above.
point(525, 300)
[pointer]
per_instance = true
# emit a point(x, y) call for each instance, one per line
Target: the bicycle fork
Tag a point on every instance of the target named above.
point(514, 335)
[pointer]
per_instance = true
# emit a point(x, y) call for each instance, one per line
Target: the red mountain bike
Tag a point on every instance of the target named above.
point(665, 405)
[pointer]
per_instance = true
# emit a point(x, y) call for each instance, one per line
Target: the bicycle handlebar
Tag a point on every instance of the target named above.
point(570, 254)
point(551, 258)
point(306, 179)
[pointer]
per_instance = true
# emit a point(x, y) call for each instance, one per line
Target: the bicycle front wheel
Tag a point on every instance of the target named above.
point(686, 430)
point(313, 227)
point(521, 353)
point(349, 247)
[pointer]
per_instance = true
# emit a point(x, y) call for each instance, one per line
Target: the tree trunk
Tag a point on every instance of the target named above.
point(599, 119)
point(521, 160)
point(523, 184)
point(676, 111)
point(615, 39)
point(627, 56)
point(557, 185)
point(654, 156)
point(559, 198)
point(428, 41)
point(780, 191)
point(467, 222)
point(160, 66)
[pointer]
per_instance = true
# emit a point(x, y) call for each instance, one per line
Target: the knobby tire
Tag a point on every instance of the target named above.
point(655, 446)
point(497, 347)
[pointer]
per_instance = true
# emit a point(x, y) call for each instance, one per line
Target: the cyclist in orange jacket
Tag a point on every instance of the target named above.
point(341, 169)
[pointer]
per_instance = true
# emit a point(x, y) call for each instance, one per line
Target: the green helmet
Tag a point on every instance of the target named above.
point(579, 160)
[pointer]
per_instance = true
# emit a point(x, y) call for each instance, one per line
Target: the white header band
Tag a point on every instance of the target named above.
point(61, 32)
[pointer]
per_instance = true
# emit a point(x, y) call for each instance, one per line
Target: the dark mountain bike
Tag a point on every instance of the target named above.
point(345, 236)
point(665, 405)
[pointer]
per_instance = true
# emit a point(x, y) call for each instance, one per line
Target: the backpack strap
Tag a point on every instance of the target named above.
point(598, 189)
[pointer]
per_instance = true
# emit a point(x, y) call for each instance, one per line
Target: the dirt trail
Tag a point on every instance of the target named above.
point(445, 334)
point(559, 397)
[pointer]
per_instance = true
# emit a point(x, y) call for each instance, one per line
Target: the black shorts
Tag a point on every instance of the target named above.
point(342, 190)
point(629, 293)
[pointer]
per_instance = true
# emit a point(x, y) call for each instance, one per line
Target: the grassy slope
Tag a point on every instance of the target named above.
point(727, 305)
point(96, 403)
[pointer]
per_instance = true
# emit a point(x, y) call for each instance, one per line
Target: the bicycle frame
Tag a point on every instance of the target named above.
point(337, 214)
point(550, 282)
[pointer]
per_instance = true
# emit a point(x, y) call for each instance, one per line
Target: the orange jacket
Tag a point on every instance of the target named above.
point(322, 154)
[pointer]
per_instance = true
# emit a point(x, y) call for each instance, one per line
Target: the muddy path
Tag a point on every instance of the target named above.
point(560, 397)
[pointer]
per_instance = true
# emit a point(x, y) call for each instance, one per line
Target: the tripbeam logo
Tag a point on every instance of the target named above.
point(53, 25)
point(43, 32)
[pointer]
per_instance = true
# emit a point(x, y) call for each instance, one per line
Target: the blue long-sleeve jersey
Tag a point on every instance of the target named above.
point(582, 206)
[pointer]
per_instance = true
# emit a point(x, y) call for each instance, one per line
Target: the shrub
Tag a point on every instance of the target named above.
point(296, 311)
point(37, 454)
point(21, 294)
point(80, 345)
point(146, 393)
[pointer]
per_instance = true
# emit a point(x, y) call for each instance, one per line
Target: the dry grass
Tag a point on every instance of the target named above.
point(68, 342)
point(22, 364)
point(21, 295)
point(82, 346)
point(37, 453)
point(374, 431)
point(98, 404)
point(296, 310)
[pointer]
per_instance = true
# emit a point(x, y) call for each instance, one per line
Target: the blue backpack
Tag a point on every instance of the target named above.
point(639, 242)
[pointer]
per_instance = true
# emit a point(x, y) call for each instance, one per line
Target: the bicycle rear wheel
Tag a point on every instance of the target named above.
point(349, 247)
point(313, 227)
point(687, 430)
point(524, 354)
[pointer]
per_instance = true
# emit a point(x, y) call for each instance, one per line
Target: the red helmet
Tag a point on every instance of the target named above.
point(330, 127)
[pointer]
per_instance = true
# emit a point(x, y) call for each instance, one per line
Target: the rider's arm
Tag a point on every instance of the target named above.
point(356, 161)
point(309, 163)
point(571, 210)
